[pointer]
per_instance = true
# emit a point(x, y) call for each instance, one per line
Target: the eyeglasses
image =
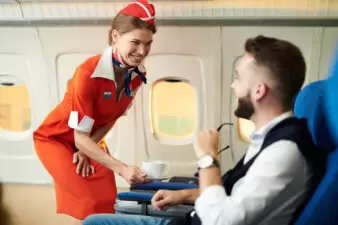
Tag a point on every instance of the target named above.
point(219, 129)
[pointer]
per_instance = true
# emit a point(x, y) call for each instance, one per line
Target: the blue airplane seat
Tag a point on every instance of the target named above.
point(155, 186)
point(138, 199)
point(144, 192)
point(310, 104)
point(331, 96)
point(331, 106)
point(317, 102)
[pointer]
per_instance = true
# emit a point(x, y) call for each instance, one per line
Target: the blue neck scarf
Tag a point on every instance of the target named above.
point(128, 74)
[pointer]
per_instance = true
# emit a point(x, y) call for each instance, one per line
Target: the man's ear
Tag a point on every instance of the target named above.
point(260, 90)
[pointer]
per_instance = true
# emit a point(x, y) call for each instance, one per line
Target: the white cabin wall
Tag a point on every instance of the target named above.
point(21, 56)
point(61, 49)
point(193, 57)
point(329, 42)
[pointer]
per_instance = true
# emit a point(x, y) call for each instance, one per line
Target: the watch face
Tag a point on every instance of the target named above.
point(205, 161)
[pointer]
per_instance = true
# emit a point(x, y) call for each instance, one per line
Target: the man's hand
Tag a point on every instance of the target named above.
point(207, 142)
point(163, 199)
point(83, 167)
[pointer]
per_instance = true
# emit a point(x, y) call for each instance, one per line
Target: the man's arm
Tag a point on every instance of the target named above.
point(267, 182)
point(164, 199)
point(209, 177)
point(189, 196)
point(207, 143)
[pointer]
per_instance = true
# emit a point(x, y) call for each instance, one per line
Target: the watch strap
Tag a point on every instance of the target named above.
point(215, 162)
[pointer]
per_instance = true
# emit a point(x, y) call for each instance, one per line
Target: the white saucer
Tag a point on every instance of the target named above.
point(158, 178)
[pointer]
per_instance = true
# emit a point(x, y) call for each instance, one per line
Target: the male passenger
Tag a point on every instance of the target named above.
point(271, 182)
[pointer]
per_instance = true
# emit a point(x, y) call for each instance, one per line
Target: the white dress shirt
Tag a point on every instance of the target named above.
point(273, 187)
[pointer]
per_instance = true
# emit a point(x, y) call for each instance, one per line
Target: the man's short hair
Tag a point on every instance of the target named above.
point(285, 63)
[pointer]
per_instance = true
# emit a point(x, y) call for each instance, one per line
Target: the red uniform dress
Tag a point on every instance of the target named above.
point(89, 103)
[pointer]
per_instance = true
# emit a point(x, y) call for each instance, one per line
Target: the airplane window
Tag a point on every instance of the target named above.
point(173, 104)
point(15, 112)
point(245, 128)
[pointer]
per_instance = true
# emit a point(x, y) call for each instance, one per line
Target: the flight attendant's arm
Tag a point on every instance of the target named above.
point(86, 145)
point(101, 132)
point(82, 120)
point(83, 167)
point(90, 148)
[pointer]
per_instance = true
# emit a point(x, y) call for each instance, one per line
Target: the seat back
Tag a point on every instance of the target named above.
point(310, 104)
point(318, 103)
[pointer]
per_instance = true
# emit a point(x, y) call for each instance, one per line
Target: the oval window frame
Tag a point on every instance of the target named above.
point(8, 135)
point(174, 142)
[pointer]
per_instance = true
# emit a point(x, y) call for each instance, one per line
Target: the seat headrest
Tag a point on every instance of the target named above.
point(310, 104)
point(331, 97)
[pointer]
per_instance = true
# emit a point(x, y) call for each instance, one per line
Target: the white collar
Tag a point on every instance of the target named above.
point(261, 133)
point(105, 68)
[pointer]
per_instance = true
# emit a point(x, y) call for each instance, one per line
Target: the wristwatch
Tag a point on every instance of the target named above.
point(207, 161)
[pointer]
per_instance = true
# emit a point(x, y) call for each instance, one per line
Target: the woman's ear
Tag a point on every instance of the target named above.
point(115, 36)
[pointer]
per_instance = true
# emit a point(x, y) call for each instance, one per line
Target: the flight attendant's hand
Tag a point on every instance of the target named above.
point(83, 167)
point(133, 175)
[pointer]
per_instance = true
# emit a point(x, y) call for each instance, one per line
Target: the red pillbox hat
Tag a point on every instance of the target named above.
point(140, 9)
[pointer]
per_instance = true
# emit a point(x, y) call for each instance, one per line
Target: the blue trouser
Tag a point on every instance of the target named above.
point(123, 219)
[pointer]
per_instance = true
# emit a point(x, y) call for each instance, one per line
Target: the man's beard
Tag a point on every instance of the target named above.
point(245, 108)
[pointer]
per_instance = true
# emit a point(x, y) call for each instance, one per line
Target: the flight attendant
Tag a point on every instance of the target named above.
point(69, 140)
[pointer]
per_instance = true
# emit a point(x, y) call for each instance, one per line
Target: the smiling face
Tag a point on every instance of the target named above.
point(267, 77)
point(242, 87)
point(250, 86)
point(131, 37)
point(134, 45)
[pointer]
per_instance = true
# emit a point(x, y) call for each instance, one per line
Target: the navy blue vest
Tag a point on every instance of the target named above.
point(291, 129)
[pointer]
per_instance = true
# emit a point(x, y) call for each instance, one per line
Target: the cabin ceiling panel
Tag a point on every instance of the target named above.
point(73, 10)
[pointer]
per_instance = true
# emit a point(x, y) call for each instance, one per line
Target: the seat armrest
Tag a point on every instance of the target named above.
point(139, 197)
point(187, 180)
point(155, 186)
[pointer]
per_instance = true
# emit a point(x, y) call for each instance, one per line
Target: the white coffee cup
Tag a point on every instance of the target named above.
point(154, 169)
